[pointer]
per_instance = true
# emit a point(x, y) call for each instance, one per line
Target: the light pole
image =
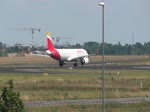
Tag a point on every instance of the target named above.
point(103, 63)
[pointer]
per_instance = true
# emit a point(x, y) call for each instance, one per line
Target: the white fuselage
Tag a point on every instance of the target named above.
point(71, 54)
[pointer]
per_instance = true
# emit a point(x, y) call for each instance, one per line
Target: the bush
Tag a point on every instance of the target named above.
point(10, 100)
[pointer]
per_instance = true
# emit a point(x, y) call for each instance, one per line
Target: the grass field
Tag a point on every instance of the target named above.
point(29, 60)
point(80, 83)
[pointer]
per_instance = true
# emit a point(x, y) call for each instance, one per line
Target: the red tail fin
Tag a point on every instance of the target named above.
point(50, 44)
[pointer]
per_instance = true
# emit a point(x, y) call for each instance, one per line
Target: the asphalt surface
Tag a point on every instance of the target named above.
point(85, 102)
point(36, 69)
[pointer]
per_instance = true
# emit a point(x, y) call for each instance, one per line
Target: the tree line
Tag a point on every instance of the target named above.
point(91, 47)
point(116, 49)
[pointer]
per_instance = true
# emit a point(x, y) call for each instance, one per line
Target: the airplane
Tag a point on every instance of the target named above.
point(62, 55)
point(66, 55)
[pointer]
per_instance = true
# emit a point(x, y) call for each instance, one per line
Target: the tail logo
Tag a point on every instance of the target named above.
point(50, 45)
point(51, 48)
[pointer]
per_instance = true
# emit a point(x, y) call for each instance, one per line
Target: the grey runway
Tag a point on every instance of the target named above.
point(85, 102)
point(36, 69)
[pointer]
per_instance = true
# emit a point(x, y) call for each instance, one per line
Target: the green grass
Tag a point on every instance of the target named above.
point(79, 84)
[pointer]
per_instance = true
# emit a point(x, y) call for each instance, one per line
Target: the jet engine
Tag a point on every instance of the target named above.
point(84, 60)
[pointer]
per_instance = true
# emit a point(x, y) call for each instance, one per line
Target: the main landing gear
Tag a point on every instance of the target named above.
point(75, 64)
point(61, 63)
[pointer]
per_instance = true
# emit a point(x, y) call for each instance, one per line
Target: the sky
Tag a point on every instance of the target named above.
point(78, 20)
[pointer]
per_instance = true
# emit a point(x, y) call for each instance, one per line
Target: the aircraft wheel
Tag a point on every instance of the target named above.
point(61, 63)
point(82, 62)
point(75, 64)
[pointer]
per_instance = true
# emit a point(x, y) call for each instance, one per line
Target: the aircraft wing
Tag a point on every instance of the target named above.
point(38, 53)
